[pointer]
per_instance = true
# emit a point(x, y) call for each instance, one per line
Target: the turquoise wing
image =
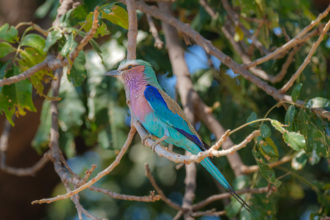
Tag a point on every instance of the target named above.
point(163, 112)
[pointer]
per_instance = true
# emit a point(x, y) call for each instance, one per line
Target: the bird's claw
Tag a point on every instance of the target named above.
point(144, 140)
point(158, 141)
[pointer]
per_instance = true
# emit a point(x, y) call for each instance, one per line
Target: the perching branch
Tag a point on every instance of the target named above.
point(178, 158)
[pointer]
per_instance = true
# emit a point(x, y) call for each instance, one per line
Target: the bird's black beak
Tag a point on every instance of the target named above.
point(113, 73)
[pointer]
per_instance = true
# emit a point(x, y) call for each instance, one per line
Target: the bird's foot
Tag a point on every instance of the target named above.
point(158, 141)
point(144, 140)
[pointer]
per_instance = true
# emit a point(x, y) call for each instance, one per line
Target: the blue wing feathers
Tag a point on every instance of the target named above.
point(161, 109)
point(193, 138)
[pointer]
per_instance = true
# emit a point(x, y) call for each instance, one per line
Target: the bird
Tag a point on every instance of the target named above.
point(161, 116)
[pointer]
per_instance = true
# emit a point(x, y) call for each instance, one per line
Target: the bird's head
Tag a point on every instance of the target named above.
point(131, 68)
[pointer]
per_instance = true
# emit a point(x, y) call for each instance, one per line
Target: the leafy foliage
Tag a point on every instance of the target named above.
point(93, 113)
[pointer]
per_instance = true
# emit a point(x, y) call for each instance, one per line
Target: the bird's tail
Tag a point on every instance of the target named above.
point(222, 180)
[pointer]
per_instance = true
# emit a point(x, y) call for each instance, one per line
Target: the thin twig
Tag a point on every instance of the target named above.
point(88, 36)
point(150, 198)
point(29, 171)
point(98, 176)
point(292, 42)
point(315, 45)
point(213, 198)
point(255, 168)
point(211, 212)
point(51, 63)
point(285, 66)
point(152, 28)
point(159, 190)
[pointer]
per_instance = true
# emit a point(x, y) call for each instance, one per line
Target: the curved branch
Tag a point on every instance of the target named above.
point(98, 176)
point(178, 158)
point(293, 42)
point(287, 85)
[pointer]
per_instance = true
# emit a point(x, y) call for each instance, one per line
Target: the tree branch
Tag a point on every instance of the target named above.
point(213, 198)
point(315, 45)
point(52, 63)
point(255, 168)
point(98, 176)
point(132, 30)
point(159, 190)
point(293, 42)
point(178, 158)
point(209, 48)
point(153, 30)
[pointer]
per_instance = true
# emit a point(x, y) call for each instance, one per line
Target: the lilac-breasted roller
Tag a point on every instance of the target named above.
point(161, 116)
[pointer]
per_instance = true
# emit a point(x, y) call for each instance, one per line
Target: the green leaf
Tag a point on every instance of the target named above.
point(265, 170)
point(233, 208)
point(72, 108)
point(295, 140)
point(52, 38)
point(269, 149)
point(43, 9)
point(265, 131)
point(278, 125)
point(8, 33)
point(28, 58)
point(69, 46)
point(299, 160)
point(289, 116)
point(35, 41)
point(296, 91)
point(118, 16)
point(78, 72)
point(239, 34)
point(41, 138)
point(318, 102)
point(252, 117)
point(5, 49)
point(24, 96)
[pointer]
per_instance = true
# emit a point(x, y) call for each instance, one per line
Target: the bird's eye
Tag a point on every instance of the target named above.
point(129, 66)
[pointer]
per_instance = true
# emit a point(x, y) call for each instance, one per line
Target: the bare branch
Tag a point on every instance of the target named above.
point(152, 28)
point(293, 42)
point(132, 30)
point(87, 37)
point(285, 66)
point(151, 198)
point(98, 176)
point(211, 212)
point(287, 86)
point(213, 198)
point(159, 190)
point(29, 171)
point(255, 168)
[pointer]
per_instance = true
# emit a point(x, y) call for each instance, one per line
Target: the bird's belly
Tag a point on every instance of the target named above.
point(140, 107)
